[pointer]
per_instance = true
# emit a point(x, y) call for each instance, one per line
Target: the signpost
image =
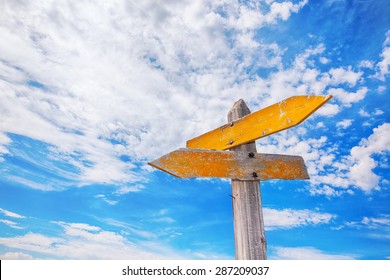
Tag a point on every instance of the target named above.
point(195, 163)
point(204, 157)
point(262, 123)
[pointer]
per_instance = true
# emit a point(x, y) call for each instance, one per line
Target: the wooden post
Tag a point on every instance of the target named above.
point(249, 236)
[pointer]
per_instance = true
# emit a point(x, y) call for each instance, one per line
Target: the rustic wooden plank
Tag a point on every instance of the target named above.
point(249, 235)
point(262, 123)
point(195, 163)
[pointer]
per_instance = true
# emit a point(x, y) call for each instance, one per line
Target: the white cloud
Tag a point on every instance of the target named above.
point(283, 10)
point(340, 76)
point(11, 214)
point(129, 229)
point(83, 241)
point(106, 76)
point(382, 66)
point(162, 217)
point(379, 236)
point(46, 186)
point(355, 170)
point(373, 223)
point(4, 141)
point(387, 39)
point(324, 60)
point(80, 241)
point(330, 179)
point(366, 64)
point(347, 98)
point(11, 224)
point(306, 253)
point(168, 220)
point(366, 123)
point(15, 256)
point(361, 171)
point(329, 110)
point(331, 174)
point(317, 158)
point(129, 189)
point(104, 198)
point(344, 123)
point(303, 78)
point(381, 89)
point(363, 113)
point(378, 112)
point(325, 190)
point(243, 17)
point(290, 218)
point(377, 227)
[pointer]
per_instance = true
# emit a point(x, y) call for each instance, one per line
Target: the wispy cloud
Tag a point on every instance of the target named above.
point(306, 253)
point(104, 198)
point(11, 214)
point(16, 256)
point(11, 224)
point(275, 219)
point(4, 141)
point(378, 222)
point(375, 227)
point(384, 64)
point(363, 113)
point(129, 189)
point(378, 112)
point(344, 123)
point(383, 221)
point(83, 241)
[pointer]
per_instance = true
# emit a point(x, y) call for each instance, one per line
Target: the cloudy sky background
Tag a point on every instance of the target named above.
point(90, 91)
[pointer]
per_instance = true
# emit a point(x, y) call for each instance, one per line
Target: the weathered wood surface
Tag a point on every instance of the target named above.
point(249, 235)
point(262, 123)
point(195, 163)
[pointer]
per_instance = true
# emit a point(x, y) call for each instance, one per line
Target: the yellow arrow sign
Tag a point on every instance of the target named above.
point(264, 122)
point(193, 163)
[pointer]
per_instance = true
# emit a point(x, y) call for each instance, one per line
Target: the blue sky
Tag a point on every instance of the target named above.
point(90, 91)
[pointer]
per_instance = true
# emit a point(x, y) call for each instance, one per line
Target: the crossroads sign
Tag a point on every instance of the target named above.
point(201, 160)
point(205, 156)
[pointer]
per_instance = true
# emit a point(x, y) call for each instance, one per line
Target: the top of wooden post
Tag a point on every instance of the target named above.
point(239, 110)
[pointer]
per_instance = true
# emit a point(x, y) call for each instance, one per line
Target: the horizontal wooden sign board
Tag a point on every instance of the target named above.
point(262, 123)
point(195, 163)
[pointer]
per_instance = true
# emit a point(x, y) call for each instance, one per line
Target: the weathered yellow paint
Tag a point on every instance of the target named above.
point(193, 163)
point(277, 117)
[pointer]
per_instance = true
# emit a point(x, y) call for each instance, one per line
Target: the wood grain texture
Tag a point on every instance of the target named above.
point(262, 123)
point(249, 235)
point(195, 163)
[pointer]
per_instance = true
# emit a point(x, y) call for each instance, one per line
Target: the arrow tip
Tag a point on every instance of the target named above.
point(157, 164)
